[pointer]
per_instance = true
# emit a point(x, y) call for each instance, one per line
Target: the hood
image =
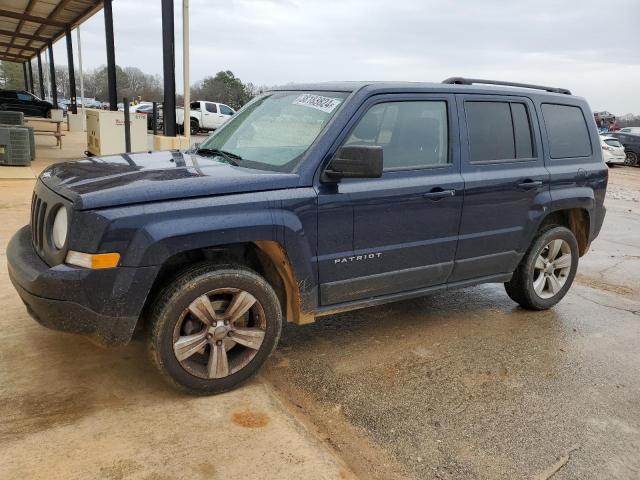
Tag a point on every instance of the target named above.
point(146, 177)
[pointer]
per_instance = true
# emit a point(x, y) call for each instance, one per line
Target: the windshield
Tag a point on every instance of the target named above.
point(274, 130)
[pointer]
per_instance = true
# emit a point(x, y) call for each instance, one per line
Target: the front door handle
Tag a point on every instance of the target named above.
point(530, 184)
point(438, 194)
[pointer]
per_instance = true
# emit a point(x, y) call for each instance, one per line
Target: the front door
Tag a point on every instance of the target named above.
point(506, 184)
point(397, 233)
point(210, 116)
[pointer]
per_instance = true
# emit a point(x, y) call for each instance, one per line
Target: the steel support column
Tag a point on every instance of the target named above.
point(24, 72)
point(169, 70)
point(72, 75)
point(52, 74)
point(30, 68)
point(111, 56)
point(40, 78)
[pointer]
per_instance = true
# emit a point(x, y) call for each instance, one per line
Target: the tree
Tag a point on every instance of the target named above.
point(11, 76)
point(225, 87)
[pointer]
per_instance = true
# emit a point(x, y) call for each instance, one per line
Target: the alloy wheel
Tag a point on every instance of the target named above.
point(631, 160)
point(552, 268)
point(219, 333)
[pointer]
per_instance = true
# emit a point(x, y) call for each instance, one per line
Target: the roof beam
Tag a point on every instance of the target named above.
point(12, 58)
point(21, 22)
point(20, 47)
point(53, 13)
point(31, 18)
point(26, 36)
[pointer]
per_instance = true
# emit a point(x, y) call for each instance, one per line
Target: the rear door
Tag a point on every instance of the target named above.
point(506, 183)
point(9, 101)
point(397, 233)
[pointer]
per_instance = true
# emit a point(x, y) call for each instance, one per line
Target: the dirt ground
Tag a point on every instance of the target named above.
point(458, 385)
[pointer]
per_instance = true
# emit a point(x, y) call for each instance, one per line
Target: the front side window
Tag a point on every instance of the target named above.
point(274, 131)
point(25, 97)
point(498, 131)
point(566, 130)
point(225, 110)
point(412, 134)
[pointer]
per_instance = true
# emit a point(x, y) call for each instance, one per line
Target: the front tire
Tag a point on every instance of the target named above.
point(631, 159)
point(213, 327)
point(546, 271)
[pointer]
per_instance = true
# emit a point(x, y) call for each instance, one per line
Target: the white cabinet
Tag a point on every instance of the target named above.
point(105, 132)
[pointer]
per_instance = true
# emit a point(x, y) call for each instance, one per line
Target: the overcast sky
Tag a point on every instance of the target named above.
point(590, 47)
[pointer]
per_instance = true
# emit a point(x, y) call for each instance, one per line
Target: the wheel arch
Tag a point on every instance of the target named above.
point(576, 219)
point(266, 257)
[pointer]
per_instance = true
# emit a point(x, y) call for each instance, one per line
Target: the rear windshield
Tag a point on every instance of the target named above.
point(613, 143)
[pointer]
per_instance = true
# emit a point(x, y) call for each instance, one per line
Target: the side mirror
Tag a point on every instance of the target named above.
point(355, 161)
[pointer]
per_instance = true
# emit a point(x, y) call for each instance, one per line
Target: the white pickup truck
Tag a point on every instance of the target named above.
point(205, 115)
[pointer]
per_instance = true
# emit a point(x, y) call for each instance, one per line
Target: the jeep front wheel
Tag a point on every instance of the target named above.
point(546, 271)
point(213, 328)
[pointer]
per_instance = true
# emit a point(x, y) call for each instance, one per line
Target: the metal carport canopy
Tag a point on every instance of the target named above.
point(29, 25)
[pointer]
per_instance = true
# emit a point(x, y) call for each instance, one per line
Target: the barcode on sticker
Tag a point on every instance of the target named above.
point(325, 104)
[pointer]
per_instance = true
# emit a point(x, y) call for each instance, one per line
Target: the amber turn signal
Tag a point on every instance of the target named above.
point(93, 261)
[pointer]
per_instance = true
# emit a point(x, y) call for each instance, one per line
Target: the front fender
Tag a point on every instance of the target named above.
point(159, 231)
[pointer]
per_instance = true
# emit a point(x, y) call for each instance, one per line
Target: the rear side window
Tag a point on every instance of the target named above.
point(211, 107)
point(566, 130)
point(613, 143)
point(498, 131)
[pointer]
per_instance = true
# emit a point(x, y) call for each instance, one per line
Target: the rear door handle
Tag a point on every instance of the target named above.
point(438, 194)
point(530, 184)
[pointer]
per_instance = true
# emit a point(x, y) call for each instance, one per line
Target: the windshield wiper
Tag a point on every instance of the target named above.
point(228, 156)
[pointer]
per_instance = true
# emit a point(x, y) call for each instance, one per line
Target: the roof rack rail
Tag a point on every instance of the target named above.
point(471, 81)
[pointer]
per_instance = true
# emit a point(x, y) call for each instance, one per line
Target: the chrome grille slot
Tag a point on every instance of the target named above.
point(34, 219)
point(41, 220)
point(38, 217)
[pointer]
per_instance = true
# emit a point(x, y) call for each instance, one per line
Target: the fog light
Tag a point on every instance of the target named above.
point(93, 260)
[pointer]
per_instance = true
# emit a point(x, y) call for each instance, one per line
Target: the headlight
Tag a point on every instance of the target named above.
point(60, 227)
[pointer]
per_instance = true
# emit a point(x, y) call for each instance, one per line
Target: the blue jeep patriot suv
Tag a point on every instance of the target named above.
point(312, 200)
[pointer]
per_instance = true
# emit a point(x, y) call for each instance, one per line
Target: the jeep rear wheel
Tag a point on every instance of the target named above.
point(547, 270)
point(213, 327)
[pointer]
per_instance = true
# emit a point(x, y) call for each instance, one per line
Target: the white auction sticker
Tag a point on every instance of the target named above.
point(325, 104)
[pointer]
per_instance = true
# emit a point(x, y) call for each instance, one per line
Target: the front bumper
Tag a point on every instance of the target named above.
point(102, 304)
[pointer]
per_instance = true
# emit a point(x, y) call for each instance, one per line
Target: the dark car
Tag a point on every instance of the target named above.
point(631, 142)
point(312, 200)
point(25, 102)
point(148, 111)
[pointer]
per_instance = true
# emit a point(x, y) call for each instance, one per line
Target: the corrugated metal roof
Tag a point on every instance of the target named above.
point(27, 25)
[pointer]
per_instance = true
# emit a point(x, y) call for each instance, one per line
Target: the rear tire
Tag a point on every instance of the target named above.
point(546, 271)
point(213, 327)
point(631, 160)
point(195, 127)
